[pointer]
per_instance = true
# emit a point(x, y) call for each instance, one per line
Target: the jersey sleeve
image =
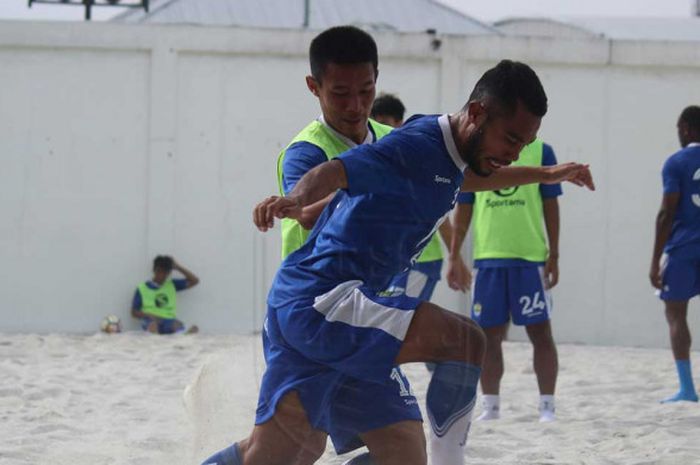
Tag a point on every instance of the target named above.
point(549, 191)
point(136, 302)
point(180, 284)
point(466, 197)
point(381, 168)
point(299, 159)
point(670, 177)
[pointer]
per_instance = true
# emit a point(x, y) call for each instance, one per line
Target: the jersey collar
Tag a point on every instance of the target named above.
point(347, 141)
point(444, 122)
point(693, 144)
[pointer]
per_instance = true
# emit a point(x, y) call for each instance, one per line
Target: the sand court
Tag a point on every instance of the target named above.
point(134, 398)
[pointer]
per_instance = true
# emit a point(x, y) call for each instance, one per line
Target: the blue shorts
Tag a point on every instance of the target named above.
point(681, 279)
point(514, 293)
point(419, 281)
point(337, 352)
point(165, 326)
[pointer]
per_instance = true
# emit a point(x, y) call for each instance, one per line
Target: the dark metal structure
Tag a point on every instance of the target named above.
point(89, 4)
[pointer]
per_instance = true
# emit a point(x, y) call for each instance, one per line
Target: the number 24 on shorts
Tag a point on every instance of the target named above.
point(530, 305)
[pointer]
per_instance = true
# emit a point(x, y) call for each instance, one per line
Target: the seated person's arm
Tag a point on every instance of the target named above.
point(191, 278)
point(136, 306)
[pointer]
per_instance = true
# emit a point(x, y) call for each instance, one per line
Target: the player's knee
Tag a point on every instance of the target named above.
point(471, 345)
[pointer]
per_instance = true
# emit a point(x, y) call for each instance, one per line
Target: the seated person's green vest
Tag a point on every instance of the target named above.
point(161, 302)
point(509, 223)
point(316, 133)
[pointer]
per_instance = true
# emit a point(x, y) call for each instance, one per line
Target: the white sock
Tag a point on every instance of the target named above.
point(449, 448)
point(491, 404)
point(547, 408)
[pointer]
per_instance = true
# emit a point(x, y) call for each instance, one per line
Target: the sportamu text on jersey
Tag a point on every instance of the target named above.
point(505, 203)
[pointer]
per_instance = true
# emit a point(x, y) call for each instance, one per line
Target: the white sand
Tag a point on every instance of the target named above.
point(102, 399)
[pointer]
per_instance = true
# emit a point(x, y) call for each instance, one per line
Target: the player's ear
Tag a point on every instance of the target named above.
point(312, 85)
point(477, 113)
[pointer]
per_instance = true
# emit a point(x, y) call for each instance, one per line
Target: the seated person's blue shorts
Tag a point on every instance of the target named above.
point(165, 326)
point(513, 292)
point(680, 278)
point(338, 352)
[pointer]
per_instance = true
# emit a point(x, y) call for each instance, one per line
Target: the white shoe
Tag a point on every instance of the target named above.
point(491, 404)
point(490, 414)
point(547, 408)
point(547, 416)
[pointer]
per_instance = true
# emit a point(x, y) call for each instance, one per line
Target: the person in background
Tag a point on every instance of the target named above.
point(516, 263)
point(678, 238)
point(388, 109)
point(155, 301)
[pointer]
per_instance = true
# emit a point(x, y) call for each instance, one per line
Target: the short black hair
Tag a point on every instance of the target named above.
point(388, 105)
point(163, 262)
point(691, 116)
point(343, 45)
point(509, 82)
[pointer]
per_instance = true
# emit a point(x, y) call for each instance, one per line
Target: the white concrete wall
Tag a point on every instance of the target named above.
point(121, 142)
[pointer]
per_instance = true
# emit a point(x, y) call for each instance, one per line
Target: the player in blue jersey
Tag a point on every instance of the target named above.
point(678, 239)
point(332, 342)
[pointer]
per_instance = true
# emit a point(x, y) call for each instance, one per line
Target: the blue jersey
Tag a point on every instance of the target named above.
point(681, 174)
point(399, 190)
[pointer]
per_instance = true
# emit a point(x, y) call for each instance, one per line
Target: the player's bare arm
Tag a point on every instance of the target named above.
point(550, 209)
point(190, 277)
point(664, 223)
point(575, 173)
point(315, 185)
point(459, 276)
point(310, 214)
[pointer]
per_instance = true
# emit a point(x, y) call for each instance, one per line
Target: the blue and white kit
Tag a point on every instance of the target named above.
point(681, 263)
point(330, 334)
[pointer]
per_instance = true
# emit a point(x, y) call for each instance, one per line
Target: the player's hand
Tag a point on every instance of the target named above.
point(459, 278)
point(655, 276)
point(265, 212)
point(551, 272)
point(575, 173)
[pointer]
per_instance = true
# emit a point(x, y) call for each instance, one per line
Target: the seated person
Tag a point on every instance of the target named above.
point(155, 301)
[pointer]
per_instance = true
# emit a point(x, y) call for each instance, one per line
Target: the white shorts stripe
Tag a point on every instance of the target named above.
point(347, 304)
point(547, 292)
point(415, 283)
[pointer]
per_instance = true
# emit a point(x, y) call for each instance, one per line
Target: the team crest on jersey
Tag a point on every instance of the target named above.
point(477, 309)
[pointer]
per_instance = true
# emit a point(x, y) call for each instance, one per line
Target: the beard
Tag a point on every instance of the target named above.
point(473, 153)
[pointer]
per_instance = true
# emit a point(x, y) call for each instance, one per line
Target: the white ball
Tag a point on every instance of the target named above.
point(111, 324)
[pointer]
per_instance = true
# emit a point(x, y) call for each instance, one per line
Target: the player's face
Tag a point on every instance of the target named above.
point(500, 139)
point(388, 120)
point(160, 275)
point(346, 94)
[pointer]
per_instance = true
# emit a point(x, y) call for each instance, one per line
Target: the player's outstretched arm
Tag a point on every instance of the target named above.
point(318, 183)
point(510, 176)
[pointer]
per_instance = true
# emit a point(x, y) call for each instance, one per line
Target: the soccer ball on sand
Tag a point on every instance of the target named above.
point(111, 324)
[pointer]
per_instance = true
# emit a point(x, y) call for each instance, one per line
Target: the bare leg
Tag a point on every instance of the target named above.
point(545, 360)
point(493, 362)
point(677, 317)
point(438, 335)
point(402, 443)
point(286, 439)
